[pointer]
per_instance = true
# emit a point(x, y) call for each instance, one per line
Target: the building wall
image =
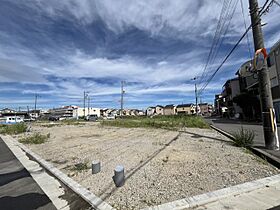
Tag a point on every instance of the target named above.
point(79, 112)
point(204, 109)
point(235, 90)
point(159, 110)
point(185, 110)
point(150, 111)
point(169, 111)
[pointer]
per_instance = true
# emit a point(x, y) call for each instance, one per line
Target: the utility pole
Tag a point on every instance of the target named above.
point(35, 105)
point(195, 90)
point(85, 96)
point(122, 93)
point(88, 104)
point(268, 114)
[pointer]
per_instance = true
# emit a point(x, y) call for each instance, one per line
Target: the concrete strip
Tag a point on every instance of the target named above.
point(88, 196)
point(268, 183)
point(53, 190)
point(270, 158)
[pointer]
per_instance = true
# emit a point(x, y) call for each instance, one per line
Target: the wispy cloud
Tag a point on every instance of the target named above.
point(61, 48)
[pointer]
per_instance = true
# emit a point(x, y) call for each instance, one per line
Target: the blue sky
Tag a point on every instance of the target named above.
point(58, 49)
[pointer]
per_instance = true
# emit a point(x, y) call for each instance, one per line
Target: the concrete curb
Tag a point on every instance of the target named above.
point(222, 132)
point(261, 153)
point(209, 197)
point(88, 196)
point(265, 155)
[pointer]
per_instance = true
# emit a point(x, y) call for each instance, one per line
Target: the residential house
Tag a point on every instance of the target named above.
point(159, 110)
point(151, 111)
point(218, 104)
point(141, 112)
point(7, 110)
point(196, 109)
point(248, 99)
point(34, 113)
point(169, 109)
point(11, 113)
point(185, 109)
point(205, 109)
point(230, 90)
point(63, 112)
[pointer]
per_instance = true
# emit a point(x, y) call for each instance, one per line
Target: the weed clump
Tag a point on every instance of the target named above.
point(36, 138)
point(244, 138)
point(13, 129)
point(80, 166)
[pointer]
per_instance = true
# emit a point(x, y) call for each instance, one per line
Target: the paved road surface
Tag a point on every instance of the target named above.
point(18, 190)
point(231, 126)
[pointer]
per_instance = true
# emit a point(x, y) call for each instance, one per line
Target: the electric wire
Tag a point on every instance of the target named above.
point(247, 35)
point(263, 11)
point(225, 19)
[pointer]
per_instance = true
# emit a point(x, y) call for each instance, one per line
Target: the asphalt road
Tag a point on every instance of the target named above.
point(18, 190)
point(231, 126)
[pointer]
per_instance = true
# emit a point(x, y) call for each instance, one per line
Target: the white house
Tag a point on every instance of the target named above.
point(80, 112)
point(159, 110)
point(150, 111)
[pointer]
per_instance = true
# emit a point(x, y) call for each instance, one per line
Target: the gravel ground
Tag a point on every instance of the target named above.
point(160, 165)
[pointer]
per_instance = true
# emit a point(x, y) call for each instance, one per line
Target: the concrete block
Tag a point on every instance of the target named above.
point(95, 167)
point(118, 177)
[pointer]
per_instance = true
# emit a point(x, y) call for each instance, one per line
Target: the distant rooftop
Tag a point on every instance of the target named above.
point(184, 105)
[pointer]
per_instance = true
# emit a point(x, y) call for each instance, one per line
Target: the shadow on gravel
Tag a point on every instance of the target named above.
point(232, 121)
point(195, 135)
point(104, 194)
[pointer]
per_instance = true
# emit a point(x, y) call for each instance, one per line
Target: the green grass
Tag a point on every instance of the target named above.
point(165, 122)
point(13, 129)
point(80, 166)
point(36, 138)
point(244, 138)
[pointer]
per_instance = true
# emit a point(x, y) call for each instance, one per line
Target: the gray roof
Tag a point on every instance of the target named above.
point(184, 105)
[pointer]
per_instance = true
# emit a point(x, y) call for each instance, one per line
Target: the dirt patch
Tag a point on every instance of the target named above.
point(160, 165)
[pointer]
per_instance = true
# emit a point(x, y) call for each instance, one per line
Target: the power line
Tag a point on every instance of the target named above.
point(230, 16)
point(264, 10)
point(247, 36)
point(222, 29)
point(214, 40)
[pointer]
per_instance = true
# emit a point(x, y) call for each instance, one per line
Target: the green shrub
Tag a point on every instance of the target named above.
point(36, 138)
point(244, 137)
point(13, 129)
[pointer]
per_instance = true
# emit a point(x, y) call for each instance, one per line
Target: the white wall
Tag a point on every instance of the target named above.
point(79, 112)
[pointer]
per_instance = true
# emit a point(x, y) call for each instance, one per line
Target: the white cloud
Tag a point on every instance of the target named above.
point(176, 19)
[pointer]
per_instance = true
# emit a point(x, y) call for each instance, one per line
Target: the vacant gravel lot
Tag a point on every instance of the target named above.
point(160, 165)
